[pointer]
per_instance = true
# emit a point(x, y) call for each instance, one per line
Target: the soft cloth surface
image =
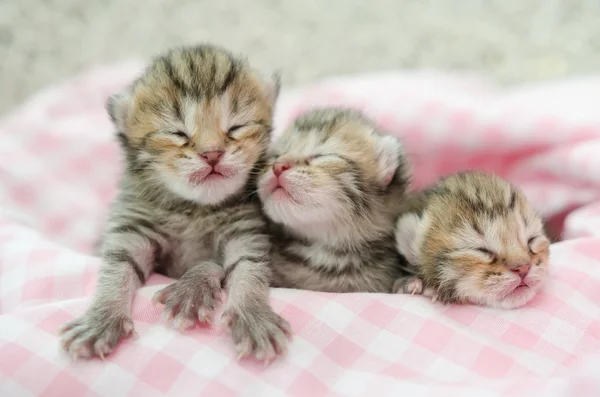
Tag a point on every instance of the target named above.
point(59, 165)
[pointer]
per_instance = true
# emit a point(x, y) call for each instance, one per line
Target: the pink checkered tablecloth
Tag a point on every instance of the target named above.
point(58, 171)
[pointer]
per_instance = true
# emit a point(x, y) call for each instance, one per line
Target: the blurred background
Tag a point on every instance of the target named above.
point(512, 41)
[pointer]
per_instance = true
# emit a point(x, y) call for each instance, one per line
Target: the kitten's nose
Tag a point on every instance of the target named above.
point(522, 270)
point(212, 158)
point(278, 168)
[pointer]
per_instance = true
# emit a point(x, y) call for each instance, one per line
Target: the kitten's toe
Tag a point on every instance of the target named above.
point(191, 299)
point(94, 334)
point(205, 313)
point(430, 293)
point(160, 296)
point(243, 348)
point(183, 322)
point(261, 333)
point(408, 285)
point(265, 351)
point(414, 286)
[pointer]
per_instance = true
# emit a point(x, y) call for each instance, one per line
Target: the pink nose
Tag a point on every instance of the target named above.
point(212, 158)
point(522, 270)
point(278, 168)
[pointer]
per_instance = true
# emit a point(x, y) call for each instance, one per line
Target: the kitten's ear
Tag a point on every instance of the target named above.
point(272, 85)
point(389, 151)
point(118, 107)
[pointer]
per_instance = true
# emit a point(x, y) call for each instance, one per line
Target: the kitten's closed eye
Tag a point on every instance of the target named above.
point(235, 128)
point(307, 160)
point(330, 156)
point(181, 135)
point(492, 256)
point(321, 155)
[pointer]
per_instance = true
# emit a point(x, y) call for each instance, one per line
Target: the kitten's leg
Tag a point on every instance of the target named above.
point(255, 328)
point(192, 298)
point(128, 255)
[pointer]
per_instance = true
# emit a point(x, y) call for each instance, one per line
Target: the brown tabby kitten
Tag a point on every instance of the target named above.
point(473, 238)
point(194, 128)
point(332, 189)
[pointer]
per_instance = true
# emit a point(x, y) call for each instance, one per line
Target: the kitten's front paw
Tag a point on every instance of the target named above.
point(408, 285)
point(96, 333)
point(259, 332)
point(193, 298)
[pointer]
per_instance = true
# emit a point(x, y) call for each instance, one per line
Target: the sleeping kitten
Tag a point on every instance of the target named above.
point(332, 189)
point(194, 128)
point(472, 238)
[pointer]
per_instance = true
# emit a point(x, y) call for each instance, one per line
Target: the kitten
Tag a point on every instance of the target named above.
point(472, 238)
point(332, 189)
point(194, 128)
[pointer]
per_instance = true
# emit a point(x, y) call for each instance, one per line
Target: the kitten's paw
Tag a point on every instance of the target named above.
point(433, 295)
point(193, 298)
point(96, 333)
point(408, 285)
point(261, 333)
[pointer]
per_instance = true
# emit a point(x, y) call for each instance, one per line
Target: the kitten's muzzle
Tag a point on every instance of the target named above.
point(277, 183)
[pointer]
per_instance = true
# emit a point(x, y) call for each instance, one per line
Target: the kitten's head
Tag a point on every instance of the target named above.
point(487, 242)
point(197, 121)
point(331, 177)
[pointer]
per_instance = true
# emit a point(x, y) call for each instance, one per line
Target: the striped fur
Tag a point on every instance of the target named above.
point(332, 209)
point(465, 239)
point(177, 214)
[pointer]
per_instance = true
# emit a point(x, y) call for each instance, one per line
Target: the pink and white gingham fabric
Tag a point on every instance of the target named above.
point(58, 171)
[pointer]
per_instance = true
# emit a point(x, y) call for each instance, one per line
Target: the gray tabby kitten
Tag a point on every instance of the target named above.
point(332, 189)
point(194, 128)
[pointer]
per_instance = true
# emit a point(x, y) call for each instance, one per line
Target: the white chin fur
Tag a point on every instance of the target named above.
point(512, 300)
point(208, 192)
point(307, 220)
point(307, 211)
point(213, 192)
